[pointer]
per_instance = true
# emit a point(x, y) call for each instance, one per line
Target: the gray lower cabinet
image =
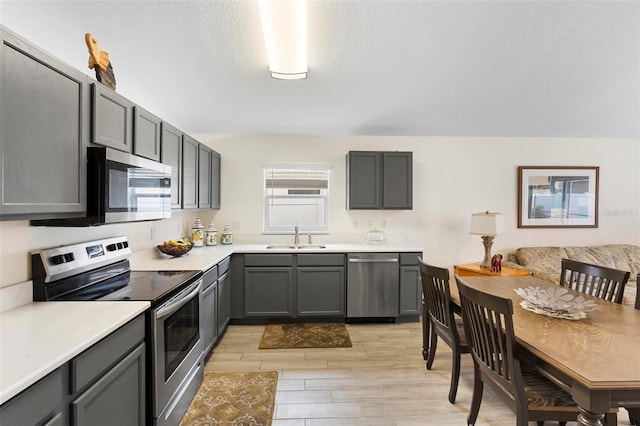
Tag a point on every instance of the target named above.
point(268, 291)
point(171, 155)
point(379, 180)
point(289, 286)
point(410, 285)
point(117, 398)
point(146, 134)
point(111, 118)
point(40, 404)
point(204, 177)
point(107, 381)
point(224, 302)
point(320, 291)
point(190, 175)
point(209, 309)
point(44, 111)
point(320, 285)
point(104, 385)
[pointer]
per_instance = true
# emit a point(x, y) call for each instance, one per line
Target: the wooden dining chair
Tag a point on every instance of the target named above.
point(634, 412)
point(441, 320)
point(488, 326)
point(637, 305)
point(600, 281)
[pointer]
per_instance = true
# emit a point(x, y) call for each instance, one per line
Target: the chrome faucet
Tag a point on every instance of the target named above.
point(296, 238)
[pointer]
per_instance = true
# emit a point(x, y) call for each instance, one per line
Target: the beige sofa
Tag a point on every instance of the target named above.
point(544, 262)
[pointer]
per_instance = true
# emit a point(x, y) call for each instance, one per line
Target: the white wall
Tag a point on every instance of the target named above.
point(453, 177)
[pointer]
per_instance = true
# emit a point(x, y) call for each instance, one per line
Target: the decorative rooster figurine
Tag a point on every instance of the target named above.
point(99, 59)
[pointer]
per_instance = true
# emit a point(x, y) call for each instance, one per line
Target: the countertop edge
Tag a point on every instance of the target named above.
point(26, 377)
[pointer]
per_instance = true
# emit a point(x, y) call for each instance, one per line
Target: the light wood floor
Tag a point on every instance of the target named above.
point(381, 380)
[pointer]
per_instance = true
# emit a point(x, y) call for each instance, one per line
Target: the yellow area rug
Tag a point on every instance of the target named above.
point(238, 399)
point(312, 335)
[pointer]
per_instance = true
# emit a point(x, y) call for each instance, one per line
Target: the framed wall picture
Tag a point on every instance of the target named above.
point(557, 197)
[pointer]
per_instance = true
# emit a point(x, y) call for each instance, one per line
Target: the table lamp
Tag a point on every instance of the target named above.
point(488, 225)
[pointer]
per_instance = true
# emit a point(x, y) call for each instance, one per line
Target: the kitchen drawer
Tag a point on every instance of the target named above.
point(333, 259)
point(92, 363)
point(224, 265)
point(39, 402)
point(210, 276)
point(268, 260)
point(409, 258)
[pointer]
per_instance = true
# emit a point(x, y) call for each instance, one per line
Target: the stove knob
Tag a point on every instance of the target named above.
point(69, 257)
point(125, 244)
point(111, 247)
point(57, 260)
point(120, 246)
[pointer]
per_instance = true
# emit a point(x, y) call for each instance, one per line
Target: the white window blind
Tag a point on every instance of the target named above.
point(296, 195)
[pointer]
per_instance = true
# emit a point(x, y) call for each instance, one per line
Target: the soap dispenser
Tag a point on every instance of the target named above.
point(212, 235)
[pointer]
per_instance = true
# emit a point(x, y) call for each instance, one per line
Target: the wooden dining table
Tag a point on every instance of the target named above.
point(596, 359)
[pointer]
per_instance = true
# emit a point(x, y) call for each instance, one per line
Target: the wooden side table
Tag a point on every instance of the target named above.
point(474, 269)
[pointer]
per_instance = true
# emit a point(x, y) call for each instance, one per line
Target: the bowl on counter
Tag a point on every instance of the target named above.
point(175, 250)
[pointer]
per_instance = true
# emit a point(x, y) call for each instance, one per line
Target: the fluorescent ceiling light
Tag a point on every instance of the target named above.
point(284, 24)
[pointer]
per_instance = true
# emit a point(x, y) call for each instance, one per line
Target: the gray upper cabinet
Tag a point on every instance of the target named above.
point(111, 119)
point(190, 175)
point(215, 180)
point(146, 134)
point(397, 180)
point(44, 133)
point(364, 175)
point(204, 177)
point(379, 180)
point(171, 155)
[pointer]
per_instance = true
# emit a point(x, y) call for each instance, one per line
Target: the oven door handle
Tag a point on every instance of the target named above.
point(179, 300)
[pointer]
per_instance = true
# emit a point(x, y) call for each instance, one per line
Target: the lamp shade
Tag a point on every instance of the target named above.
point(487, 223)
point(284, 25)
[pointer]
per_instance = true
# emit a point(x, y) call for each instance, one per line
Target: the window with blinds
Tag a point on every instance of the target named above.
point(296, 195)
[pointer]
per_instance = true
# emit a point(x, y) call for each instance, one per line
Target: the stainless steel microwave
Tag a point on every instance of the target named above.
point(122, 187)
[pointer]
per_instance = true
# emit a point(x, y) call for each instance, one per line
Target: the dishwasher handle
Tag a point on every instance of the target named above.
point(380, 260)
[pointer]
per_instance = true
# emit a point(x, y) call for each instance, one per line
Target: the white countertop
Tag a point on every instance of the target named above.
point(202, 258)
point(39, 337)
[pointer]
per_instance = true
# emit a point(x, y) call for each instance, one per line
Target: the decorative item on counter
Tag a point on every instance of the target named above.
point(197, 233)
point(227, 236)
point(212, 235)
point(375, 236)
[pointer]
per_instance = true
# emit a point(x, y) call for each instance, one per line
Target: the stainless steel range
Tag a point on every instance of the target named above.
point(100, 270)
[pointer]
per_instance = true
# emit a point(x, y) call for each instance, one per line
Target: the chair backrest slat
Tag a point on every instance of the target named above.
point(637, 305)
point(600, 281)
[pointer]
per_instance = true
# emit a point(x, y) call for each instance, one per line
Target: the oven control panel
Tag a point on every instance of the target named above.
point(64, 261)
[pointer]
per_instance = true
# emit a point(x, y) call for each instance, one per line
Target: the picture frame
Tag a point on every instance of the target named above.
point(558, 196)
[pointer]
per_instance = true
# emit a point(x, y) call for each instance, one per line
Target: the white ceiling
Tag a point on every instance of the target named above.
point(429, 68)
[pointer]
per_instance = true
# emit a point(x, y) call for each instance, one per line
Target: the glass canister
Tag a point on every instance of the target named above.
point(227, 236)
point(212, 235)
point(197, 233)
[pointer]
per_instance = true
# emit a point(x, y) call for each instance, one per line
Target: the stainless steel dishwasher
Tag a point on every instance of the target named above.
point(373, 288)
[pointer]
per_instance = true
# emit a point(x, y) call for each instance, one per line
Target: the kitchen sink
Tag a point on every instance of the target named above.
point(296, 247)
